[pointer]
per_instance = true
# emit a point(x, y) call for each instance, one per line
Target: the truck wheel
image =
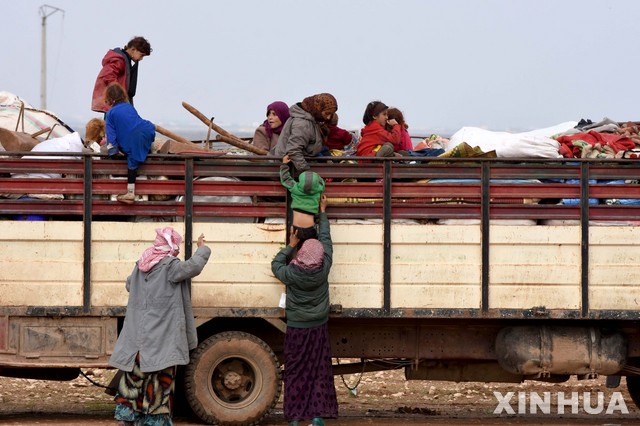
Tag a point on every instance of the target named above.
point(233, 379)
point(633, 385)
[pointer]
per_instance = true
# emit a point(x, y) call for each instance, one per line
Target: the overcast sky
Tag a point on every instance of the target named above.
point(499, 64)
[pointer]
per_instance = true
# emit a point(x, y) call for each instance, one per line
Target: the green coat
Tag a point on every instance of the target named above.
point(307, 291)
point(306, 192)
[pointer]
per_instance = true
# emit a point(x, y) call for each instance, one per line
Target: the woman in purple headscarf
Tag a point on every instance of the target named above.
point(309, 392)
point(266, 135)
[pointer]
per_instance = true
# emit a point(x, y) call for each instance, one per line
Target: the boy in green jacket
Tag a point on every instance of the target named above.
point(305, 199)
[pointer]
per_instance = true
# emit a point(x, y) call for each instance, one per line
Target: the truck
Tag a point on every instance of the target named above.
point(483, 269)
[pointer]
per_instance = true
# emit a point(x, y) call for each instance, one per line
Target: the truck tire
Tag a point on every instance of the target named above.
point(633, 385)
point(233, 379)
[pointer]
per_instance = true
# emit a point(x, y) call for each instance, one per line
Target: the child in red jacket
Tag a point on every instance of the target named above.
point(338, 138)
point(376, 140)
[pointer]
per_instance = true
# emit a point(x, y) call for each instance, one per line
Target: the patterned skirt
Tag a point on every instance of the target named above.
point(308, 377)
point(146, 398)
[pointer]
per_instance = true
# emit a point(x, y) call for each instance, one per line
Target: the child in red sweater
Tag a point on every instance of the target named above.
point(338, 138)
point(405, 144)
point(376, 140)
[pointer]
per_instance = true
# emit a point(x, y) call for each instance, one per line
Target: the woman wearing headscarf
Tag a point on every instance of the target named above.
point(304, 132)
point(266, 135)
point(158, 331)
point(309, 392)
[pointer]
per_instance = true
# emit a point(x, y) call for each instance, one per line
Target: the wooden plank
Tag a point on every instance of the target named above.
point(614, 297)
point(526, 297)
point(41, 293)
point(441, 295)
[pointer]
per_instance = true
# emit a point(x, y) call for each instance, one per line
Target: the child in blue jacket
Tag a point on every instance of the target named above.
point(127, 134)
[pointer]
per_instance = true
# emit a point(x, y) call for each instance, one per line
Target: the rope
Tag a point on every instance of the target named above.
point(396, 364)
point(20, 116)
point(352, 390)
point(93, 382)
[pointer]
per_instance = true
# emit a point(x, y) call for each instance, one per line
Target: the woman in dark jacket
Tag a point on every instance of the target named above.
point(309, 392)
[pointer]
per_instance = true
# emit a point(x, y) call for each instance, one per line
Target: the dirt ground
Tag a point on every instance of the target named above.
point(383, 398)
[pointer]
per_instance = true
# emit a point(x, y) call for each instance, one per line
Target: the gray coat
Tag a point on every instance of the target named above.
point(159, 323)
point(300, 136)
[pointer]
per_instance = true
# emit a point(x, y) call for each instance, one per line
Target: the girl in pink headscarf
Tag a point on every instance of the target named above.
point(267, 134)
point(309, 392)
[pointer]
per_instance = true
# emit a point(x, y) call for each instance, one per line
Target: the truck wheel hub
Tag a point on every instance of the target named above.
point(232, 380)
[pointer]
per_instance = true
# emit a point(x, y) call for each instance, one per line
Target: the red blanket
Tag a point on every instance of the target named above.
point(616, 142)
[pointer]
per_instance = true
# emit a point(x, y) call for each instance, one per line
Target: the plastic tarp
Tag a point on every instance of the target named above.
point(533, 144)
point(34, 119)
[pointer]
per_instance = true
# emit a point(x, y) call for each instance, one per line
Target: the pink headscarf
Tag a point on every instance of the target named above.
point(167, 243)
point(310, 256)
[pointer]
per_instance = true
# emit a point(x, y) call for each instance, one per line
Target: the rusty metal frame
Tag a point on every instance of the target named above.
point(389, 189)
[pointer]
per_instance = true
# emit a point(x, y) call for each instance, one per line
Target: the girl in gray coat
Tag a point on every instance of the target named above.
point(158, 330)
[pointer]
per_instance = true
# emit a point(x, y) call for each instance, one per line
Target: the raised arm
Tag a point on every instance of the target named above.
point(181, 271)
point(394, 136)
point(279, 264)
point(324, 232)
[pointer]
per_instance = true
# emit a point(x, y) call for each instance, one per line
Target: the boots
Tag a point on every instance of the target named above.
point(130, 196)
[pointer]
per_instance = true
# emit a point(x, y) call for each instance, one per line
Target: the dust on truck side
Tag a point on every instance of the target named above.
point(494, 295)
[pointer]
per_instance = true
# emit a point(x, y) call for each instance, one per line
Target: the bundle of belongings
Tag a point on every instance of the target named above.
point(21, 124)
point(604, 139)
point(71, 143)
point(533, 144)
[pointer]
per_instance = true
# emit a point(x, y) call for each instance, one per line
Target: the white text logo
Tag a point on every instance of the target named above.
point(533, 403)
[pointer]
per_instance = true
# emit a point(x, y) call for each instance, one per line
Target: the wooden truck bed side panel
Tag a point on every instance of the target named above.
point(614, 267)
point(432, 266)
point(239, 271)
point(534, 266)
point(116, 246)
point(41, 264)
point(435, 266)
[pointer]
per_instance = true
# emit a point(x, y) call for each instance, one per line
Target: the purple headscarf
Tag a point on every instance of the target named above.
point(282, 111)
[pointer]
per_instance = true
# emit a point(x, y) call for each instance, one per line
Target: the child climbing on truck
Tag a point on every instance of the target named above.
point(305, 199)
point(127, 134)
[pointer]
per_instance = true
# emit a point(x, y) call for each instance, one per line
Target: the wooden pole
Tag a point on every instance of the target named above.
point(223, 134)
point(175, 137)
